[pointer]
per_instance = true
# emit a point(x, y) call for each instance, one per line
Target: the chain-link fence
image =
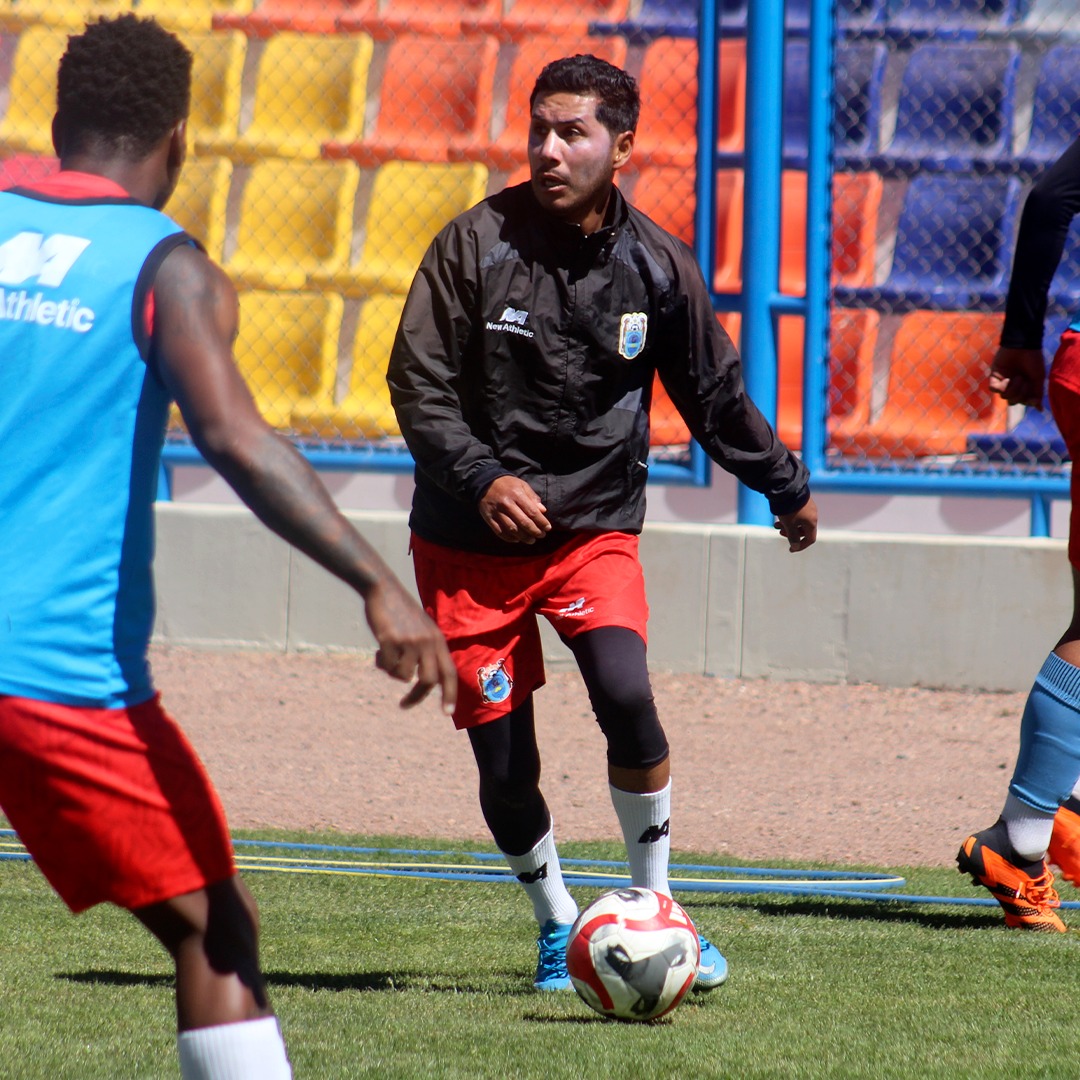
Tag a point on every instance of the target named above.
point(330, 139)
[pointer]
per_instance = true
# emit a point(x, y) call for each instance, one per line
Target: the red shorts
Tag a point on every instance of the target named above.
point(1064, 392)
point(486, 606)
point(112, 804)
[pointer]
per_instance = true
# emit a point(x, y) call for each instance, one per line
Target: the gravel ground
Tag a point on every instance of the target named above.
point(761, 769)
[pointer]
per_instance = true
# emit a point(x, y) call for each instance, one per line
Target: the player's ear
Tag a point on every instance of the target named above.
point(57, 135)
point(623, 148)
point(178, 145)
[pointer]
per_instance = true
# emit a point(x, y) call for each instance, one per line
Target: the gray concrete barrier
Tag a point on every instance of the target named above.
point(950, 612)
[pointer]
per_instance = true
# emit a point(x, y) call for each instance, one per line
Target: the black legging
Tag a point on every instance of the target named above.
point(613, 664)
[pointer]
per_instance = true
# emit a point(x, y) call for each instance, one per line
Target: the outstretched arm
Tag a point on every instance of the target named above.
point(195, 322)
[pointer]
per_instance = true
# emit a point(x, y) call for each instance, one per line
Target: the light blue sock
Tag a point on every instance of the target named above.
point(1048, 763)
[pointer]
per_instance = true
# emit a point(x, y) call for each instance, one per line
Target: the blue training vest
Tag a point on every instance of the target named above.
point(82, 420)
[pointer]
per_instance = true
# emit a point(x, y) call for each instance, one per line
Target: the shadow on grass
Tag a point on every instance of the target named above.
point(332, 982)
point(953, 917)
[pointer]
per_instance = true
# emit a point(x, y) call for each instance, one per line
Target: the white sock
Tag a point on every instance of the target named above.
point(540, 874)
point(645, 821)
point(1029, 829)
point(1076, 790)
point(250, 1050)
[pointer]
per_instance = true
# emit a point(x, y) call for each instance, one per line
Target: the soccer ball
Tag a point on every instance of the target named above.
point(633, 954)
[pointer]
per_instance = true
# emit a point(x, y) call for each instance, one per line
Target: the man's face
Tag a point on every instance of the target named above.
point(573, 157)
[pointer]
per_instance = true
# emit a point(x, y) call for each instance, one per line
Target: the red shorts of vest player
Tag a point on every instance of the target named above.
point(487, 607)
point(112, 804)
point(1064, 393)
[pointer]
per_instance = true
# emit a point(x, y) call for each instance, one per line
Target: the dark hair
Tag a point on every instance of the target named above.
point(123, 83)
point(619, 100)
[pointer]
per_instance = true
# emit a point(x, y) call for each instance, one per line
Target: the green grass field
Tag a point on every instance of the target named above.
point(398, 978)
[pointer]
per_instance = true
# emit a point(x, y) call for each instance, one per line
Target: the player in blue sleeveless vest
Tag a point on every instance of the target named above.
point(108, 311)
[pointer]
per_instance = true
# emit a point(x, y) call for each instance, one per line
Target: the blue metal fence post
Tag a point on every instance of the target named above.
point(818, 233)
point(761, 222)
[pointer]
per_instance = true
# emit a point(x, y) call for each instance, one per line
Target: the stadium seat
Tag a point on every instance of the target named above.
point(853, 337)
point(309, 89)
point(666, 193)
point(216, 76)
point(1053, 20)
point(860, 74)
point(18, 169)
point(1065, 286)
point(445, 18)
point(364, 412)
point(953, 245)
point(727, 276)
point(937, 388)
point(295, 223)
point(189, 15)
point(68, 15)
point(524, 18)
point(303, 16)
point(666, 18)
point(434, 103)
point(958, 19)
point(27, 123)
point(200, 201)
point(853, 16)
point(410, 202)
point(1055, 107)
point(287, 348)
point(509, 148)
point(849, 363)
point(667, 133)
point(955, 109)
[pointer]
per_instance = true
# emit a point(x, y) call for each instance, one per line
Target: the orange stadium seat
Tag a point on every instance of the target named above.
point(727, 277)
point(444, 17)
point(26, 168)
point(527, 17)
point(434, 102)
point(302, 16)
point(937, 392)
point(667, 132)
point(364, 412)
point(509, 148)
point(666, 194)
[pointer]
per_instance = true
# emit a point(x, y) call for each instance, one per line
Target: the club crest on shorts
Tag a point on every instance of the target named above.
point(495, 684)
point(632, 328)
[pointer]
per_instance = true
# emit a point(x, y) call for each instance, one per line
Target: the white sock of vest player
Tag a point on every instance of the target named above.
point(645, 822)
point(251, 1050)
point(540, 874)
point(1029, 829)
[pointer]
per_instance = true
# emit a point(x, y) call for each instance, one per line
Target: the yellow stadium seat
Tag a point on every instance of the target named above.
point(410, 202)
point(62, 14)
point(287, 348)
point(295, 223)
point(27, 123)
point(188, 14)
point(365, 411)
point(216, 80)
point(199, 202)
point(309, 89)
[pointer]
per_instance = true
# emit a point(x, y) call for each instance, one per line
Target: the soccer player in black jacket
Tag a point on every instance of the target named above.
point(521, 376)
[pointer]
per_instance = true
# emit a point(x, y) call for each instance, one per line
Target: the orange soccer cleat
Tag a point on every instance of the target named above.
point(1028, 900)
point(1065, 842)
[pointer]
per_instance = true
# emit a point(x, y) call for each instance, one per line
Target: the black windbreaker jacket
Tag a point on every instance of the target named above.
point(527, 348)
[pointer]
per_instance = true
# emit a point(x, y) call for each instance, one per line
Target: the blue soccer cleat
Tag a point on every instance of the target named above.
point(551, 971)
point(712, 969)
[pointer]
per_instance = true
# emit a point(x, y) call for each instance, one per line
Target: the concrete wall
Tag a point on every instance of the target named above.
point(725, 600)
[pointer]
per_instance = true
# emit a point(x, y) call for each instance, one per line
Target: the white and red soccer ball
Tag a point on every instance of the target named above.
point(633, 954)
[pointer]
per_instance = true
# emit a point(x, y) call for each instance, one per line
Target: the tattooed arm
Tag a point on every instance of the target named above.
point(195, 324)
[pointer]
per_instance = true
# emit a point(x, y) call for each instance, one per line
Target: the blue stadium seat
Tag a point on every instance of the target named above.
point(860, 71)
point(678, 18)
point(860, 16)
point(1065, 288)
point(953, 246)
point(958, 19)
point(1055, 108)
point(955, 109)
